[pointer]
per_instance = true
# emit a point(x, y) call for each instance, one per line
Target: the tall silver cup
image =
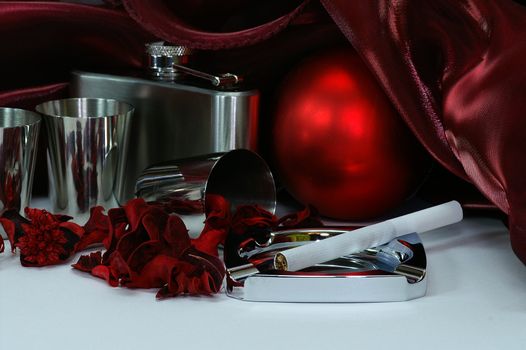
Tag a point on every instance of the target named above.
point(87, 146)
point(240, 176)
point(19, 131)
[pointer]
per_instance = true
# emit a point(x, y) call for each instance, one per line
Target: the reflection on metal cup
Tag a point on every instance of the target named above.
point(241, 176)
point(87, 145)
point(19, 131)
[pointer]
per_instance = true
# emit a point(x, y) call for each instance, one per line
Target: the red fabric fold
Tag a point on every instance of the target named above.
point(164, 20)
point(43, 41)
point(455, 70)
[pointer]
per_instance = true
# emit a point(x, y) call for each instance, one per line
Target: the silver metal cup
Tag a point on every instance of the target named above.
point(87, 146)
point(19, 131)
point(241, 176)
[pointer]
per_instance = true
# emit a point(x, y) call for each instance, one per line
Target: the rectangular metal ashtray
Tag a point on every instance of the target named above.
point(392, 272)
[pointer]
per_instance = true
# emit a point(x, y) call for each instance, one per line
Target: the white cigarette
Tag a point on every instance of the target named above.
point(296, 259)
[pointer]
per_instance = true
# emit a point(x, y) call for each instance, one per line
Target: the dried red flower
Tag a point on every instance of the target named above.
point(43, 238)
point(148, 248)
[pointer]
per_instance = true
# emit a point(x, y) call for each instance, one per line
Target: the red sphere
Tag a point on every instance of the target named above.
point(338, 142)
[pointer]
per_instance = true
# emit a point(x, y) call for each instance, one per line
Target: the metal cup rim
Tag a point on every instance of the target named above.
point(128, 108)
point(234, 152)
point(29, 118)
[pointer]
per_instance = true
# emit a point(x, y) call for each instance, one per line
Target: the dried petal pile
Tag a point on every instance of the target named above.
point(147, 246)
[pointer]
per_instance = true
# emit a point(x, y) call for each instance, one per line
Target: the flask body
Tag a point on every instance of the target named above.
point(173, 120)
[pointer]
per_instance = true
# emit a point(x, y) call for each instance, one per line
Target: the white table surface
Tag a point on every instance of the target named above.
point(476, 299)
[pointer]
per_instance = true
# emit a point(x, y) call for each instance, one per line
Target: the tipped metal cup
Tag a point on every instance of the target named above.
point(241, 176)
point(87, 146)
point(19, 131)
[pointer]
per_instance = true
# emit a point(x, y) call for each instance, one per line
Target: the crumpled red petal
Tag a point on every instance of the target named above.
point(87, 263)
point(154, 274)
point(154, 223)
point(217, 211)
point(96, 230)
point(143, 254)
point(104, 272)
point(118, 226)
point(129, 242)
point(308, 217)
point(176, 236)
point(135, 209)
point(249, 217)
point(196, 274)
point(209, 240)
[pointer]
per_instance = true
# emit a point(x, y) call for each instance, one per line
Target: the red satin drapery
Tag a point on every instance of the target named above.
point(453, 68)
point(455, 71)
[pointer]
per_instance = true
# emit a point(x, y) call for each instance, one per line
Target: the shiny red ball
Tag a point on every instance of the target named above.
point(338, 143)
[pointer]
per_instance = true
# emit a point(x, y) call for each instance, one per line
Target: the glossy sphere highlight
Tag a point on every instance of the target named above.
point(338, 143)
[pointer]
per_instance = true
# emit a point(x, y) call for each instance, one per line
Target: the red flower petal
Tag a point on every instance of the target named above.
point(135, 209)
point(119, 268)
point(118, 227)
point(143, 254)
point(96, 230)
point(211, 264)
point(217, 211)
point(154, 221)
point(308, 217)
point(86, 263)
point(130, 241)
point(209, 240)
point(103, 271)
point(249, 217)
point(154, 274)
point(73, 228)
point(183, 282)
point(175, 236)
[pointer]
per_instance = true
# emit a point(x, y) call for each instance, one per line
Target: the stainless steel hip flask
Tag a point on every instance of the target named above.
point(179, 112)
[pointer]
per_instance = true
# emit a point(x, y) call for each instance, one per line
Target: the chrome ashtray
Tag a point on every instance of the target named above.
point(392, 272)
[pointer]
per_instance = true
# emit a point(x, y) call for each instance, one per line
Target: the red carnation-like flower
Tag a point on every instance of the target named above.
point(43, 238)
point(43, 243)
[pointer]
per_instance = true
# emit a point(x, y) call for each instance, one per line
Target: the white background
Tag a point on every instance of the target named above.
point(476, 299)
